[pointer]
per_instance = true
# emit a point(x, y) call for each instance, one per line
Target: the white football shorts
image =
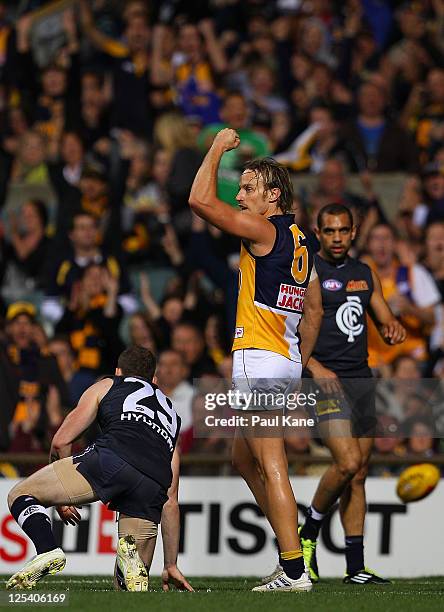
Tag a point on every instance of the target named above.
point(263, 379)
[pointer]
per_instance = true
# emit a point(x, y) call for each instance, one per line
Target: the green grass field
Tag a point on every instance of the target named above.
point(226, 594)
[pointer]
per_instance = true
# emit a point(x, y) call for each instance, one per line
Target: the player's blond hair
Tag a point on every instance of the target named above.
point(274, 175)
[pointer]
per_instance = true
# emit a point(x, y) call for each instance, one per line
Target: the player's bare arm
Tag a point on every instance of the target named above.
point(78, 419)
point(387, 324)
point(170, 523)
point(311, 319)
point(327, 379)
point(251, 226)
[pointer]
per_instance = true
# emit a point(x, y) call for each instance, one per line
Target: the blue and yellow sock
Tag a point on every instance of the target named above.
point(292, 563)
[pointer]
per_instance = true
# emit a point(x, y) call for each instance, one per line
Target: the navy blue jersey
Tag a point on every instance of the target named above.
point(346, 291)
point(140, 425)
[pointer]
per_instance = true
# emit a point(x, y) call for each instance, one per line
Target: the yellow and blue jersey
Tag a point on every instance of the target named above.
point(271, 292)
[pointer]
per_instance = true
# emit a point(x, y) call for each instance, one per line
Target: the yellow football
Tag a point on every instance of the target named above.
point(417, 481)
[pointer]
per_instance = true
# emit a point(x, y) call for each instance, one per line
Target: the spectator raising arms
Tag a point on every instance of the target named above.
point(67, 271)
point(91, 319)
point(130, 75)
point(27, 252)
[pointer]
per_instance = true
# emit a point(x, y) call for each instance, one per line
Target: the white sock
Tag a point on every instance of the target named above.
point(317, 516)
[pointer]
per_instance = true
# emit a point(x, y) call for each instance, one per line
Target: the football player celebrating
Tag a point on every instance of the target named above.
point(274, 335)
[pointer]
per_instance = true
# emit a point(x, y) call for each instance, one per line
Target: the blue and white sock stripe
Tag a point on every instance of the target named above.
point(30, 511)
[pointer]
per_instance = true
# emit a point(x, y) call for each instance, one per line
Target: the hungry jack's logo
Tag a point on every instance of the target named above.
point(291, 297)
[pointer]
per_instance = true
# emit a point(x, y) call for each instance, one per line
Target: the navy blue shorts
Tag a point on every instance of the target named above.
point(356, 404)
point(120, 485)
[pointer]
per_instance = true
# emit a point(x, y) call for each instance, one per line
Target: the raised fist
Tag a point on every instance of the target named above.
point(227, 139)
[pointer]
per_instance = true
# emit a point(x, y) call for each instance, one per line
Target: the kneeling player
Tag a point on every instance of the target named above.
point(129, 467)
point(144, 534)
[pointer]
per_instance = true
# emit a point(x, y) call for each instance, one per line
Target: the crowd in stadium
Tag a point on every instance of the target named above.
point(106, 111)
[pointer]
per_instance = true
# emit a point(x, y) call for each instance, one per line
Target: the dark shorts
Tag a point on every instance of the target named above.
point(120, 485)
point(356, 404)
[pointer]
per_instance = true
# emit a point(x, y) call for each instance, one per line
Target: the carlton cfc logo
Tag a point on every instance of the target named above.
point(348, 316)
